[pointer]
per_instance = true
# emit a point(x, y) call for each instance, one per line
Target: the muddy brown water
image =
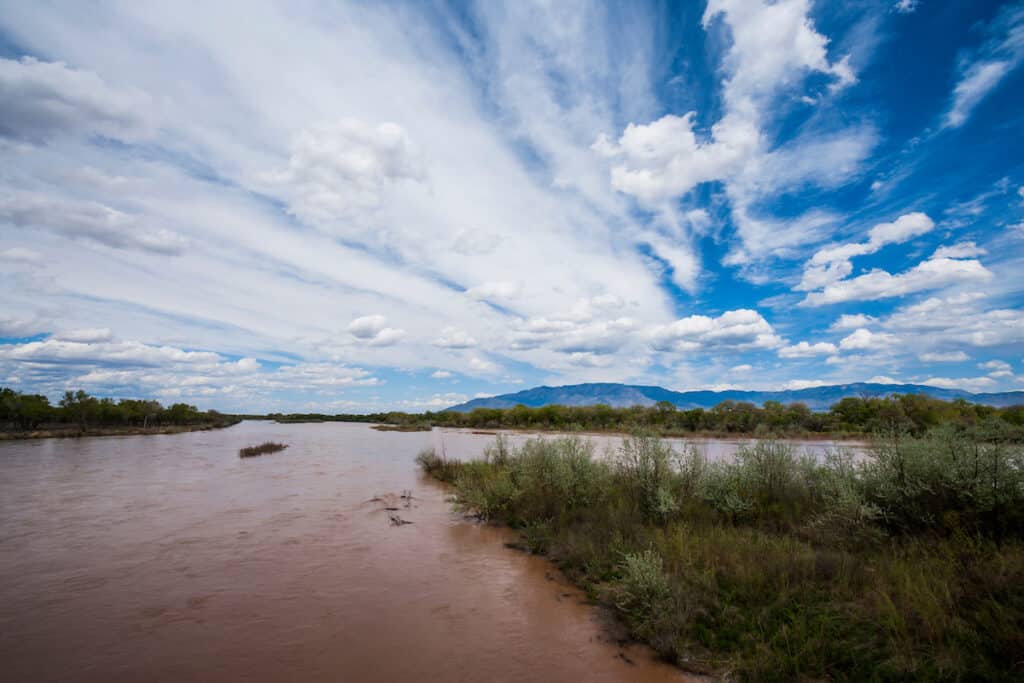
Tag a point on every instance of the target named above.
point(167, 558)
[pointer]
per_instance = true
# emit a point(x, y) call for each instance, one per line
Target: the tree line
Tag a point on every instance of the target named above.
point(911, 413)
point(78, 409)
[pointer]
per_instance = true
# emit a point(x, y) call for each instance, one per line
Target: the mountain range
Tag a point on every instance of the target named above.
point(816, 398)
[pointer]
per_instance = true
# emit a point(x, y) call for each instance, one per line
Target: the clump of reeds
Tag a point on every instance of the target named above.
point(265, 447)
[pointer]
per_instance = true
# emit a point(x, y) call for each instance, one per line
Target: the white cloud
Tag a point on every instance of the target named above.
point(47, 99)
point(963, 383)
point(738, 329)
point(906, 6)
point(851, 321)
point(980, 76)
point(960, 250)
point(866, 340)
point(21, 255)
point(996, 366)
point(367, 326)
point(440, 374)
point(740, 369)
point(944, 357)
point(883, 379)
point(339, 169)
point(499, 290)
point(879, 284)
point(976, 83)
point(21, 327)
point(806, 350)
point(664, 159)
point(87, 220)
point(452, 338)
point(126, 353)
point(958, 319)
point(373, 330)
point(483, 365)
point(774, 47)
point(86, 336)
point(832, 264)
point(797, 384)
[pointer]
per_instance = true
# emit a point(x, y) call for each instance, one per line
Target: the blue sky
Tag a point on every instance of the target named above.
point(364, 206)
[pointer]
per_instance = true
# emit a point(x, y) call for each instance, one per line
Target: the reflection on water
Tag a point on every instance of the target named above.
point(169, 558)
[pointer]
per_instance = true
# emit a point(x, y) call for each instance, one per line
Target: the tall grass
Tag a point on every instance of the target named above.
point(906, 564)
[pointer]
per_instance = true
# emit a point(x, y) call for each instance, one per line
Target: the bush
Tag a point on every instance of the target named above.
point(902, 564)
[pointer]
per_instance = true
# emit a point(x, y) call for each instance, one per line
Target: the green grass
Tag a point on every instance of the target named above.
point(909, 565)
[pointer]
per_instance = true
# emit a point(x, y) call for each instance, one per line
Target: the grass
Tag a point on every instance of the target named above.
point(907, 565)
point(266, 447)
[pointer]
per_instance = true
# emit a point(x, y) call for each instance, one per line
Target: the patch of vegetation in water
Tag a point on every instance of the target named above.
point(261, 449)
point(904, 565)
point(415, 427)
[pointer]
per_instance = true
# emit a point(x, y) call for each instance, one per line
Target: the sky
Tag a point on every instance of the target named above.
point(362, 206)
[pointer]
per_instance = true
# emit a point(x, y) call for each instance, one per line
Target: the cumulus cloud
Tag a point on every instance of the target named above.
point(373, 330)
point(960, 250)
point(440, 374)
point(453, 338)
point(963, 383)
point(866, 340)
point(126, 353)
point(774, 47)
point(342, 168)
point(832, 263)
point(797, 384)
point(87, 220)
point(738, 329)
point(806, 350)
point(43, 100)
point(479, 364)
point(879, 284)
point(851, 321)
point(905, 6)
point(962, 319)
point(663, 159)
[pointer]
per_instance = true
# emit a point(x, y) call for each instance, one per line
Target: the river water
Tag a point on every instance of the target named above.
point(167, 558)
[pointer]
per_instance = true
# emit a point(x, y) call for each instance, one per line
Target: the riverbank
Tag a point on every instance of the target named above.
point(75, 432)
point(851, 438)
point(777, 568)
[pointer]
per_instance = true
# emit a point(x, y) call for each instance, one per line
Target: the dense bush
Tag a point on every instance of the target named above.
point(902, 564)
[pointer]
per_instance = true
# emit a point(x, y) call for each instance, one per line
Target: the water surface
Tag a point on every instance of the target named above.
point(167, 558)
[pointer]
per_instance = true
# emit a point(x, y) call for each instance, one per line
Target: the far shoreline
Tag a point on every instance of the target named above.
point(72, 433)
point(702, 435)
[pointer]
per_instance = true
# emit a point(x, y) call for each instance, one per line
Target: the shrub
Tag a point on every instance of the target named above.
point(644, 464)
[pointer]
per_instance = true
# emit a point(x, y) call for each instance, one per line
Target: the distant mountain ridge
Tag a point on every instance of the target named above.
point(816, 398)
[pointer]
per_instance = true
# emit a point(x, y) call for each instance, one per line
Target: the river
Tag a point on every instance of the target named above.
point(168, 558)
